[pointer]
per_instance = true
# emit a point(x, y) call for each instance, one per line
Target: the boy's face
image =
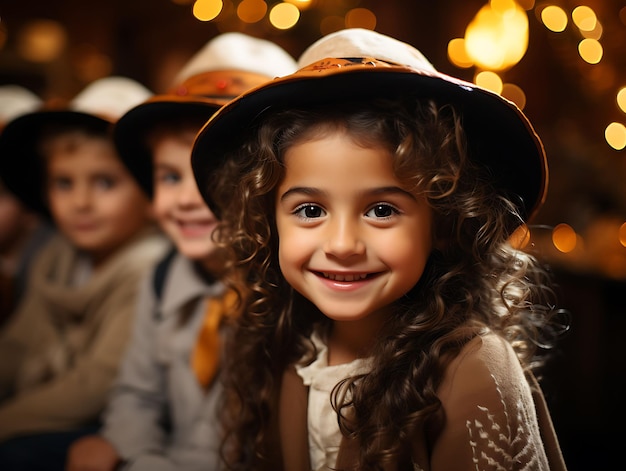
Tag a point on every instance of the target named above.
point(351, 239)
point(93, 199)
point(178, 205)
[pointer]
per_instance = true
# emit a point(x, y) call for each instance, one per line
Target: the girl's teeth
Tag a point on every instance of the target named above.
point(335, 277)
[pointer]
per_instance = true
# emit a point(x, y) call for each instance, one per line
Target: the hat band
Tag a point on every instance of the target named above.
point(222, 83)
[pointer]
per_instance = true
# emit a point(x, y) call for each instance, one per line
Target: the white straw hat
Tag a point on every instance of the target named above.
point(225, 67)
point(98, 106)
point(15, 101)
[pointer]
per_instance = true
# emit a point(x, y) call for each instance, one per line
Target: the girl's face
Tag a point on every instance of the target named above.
point(351, 239)
point(93, 199)
point(178, 205)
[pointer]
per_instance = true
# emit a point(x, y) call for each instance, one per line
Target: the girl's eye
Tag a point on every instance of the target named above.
point(309, 211)
point(381, 211)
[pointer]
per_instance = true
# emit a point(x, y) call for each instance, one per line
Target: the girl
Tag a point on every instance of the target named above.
point(387, 323)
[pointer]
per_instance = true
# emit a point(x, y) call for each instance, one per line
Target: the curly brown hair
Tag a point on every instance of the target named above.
point(474, 280)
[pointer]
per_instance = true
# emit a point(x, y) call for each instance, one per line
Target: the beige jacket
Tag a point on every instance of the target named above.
point(496, 418)
point(61, 351)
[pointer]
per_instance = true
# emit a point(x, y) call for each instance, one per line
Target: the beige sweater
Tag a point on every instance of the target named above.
point(61, 351)
point(496, 419)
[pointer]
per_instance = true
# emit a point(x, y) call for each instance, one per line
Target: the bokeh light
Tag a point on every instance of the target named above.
point(590, 50)
point(615, 135)
point(458, 55)
point(42, 41)
point(497, 37)
point(251, 11)
point(564, 238)
point(489, 80)
point(284, 15)
point(360, 18)
point(520, 237)
point(621, 99)
point(207, 10)
point(554, 18)
point(584, 17)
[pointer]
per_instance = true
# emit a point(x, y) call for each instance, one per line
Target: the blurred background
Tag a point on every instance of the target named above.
point(562, 61)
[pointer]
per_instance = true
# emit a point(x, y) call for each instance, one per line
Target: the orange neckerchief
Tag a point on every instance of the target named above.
point(205, 357)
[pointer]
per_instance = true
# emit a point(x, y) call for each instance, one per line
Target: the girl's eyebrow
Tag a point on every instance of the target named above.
point(386, 190)
point(305, 190)
point(310, 191)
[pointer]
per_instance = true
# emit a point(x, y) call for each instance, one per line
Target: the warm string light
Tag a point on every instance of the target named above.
point(495, 41)
point(590, 49)
point(283, 15)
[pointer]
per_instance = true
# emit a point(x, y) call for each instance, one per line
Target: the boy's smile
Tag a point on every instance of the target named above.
point(178, 206)
point(351, 239)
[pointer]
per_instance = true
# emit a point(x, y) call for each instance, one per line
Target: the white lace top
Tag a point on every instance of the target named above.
point(324, 434)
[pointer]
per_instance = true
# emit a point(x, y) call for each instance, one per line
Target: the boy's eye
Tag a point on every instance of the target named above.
point(105, 182)
point(60, 183)
point(309, 211)
point(168, 177)
point(381, 210)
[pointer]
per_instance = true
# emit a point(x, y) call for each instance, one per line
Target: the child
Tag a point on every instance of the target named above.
point(60, 351)
point(22, 231)
point(161, 413)
point(386, 324)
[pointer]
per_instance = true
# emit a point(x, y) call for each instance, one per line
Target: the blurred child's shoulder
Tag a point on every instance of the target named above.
point(149, 246)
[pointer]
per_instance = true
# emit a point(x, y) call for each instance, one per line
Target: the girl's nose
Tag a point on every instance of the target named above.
point(344, 239)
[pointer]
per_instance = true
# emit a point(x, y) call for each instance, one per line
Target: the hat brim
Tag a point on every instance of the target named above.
point(499, 136)
point(21, 165)
point(131, 130)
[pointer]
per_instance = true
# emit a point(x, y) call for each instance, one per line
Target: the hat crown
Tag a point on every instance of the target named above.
point(238, 51)
point(109, 97)
point(359, 42)
point(16, 101)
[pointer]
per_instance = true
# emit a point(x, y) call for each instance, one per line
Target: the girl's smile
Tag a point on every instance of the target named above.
point(351, 239)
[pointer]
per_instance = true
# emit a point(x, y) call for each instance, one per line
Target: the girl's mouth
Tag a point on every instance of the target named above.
point(344, 277)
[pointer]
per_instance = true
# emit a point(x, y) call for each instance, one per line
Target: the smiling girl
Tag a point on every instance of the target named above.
point(387, 322)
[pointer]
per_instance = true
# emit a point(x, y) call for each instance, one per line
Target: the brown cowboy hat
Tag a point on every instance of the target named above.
point(361, 64)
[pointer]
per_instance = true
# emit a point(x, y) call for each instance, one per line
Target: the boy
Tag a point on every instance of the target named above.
point(61, 349)
point(22, 231)
point(161, 414)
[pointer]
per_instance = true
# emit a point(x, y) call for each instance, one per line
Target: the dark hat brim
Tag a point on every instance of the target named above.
point(131, 130)
point(21, 165)
point(499, 136)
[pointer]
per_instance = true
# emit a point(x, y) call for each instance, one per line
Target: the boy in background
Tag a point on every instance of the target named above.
point(161, 415)
point(61, 349)
point(22, 231)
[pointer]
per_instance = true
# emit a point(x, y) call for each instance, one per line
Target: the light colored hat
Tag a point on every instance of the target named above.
point(98, 106)
point(16, 101)
point(225, 67)
point(358, 64)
